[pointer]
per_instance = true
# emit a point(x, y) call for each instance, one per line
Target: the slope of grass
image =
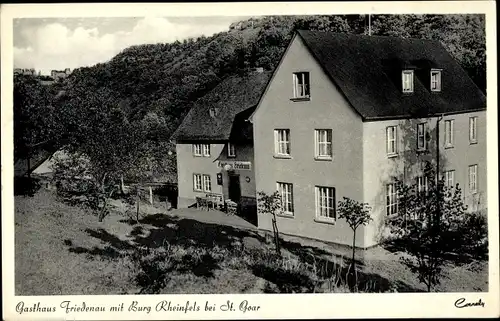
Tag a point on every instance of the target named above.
point(64, 250)
point(43, 264)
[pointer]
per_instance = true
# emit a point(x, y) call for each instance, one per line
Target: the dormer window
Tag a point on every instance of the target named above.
point(231, 150)
point(213, 111)
point(408, 81)
point(435, 80)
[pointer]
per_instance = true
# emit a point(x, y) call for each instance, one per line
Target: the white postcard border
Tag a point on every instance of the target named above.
point(271, 306)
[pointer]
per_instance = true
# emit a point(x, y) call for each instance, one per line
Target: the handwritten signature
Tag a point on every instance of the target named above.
point(460, 303)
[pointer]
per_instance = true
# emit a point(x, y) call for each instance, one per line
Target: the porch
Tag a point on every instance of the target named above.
point(244, 207)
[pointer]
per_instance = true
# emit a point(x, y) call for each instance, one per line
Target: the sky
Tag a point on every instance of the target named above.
point(59, 43)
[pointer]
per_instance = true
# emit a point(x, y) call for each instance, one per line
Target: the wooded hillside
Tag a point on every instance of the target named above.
point(167, 78)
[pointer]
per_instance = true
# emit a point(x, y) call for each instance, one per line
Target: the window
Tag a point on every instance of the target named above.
point(435, 80)
point(197, 149)
point(391, 199)
point(286, 193)
point(201, 150)
point(207, 183)
point(449, 178)
point(231, 150)
point(325, 203)
point(323, 138)
point(282, 142)
point(473, 179)
point(206, 150)
point(422, 184)
point(421, 142)
point(391, 137)
point(473, 130)
point(301, 86)
point(448, 133)
point(197, 182)
point(408, 81)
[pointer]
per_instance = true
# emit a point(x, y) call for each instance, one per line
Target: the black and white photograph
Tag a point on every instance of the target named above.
point(249, 154)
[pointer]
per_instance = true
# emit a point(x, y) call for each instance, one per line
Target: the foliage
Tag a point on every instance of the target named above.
point(428, 226)
point(152, 267)
point(355, 214)
point(97, 126)
point(75, 184)
point(271, 204)
point(473, 235)
point(35, 118)
point(155, 266)
point(290, 274)
point(71, 174)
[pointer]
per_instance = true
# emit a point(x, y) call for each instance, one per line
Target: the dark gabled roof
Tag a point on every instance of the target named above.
point(233, 99)
point(367, 70)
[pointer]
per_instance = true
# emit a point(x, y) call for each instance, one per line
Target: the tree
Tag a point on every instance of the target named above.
point(114, 138)
point(323, 23)
point(427, 225)
point(271, 204)
point(34, 116)
point(98, 129)
point(355, 214)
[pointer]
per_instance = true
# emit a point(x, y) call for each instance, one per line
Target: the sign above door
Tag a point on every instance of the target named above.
point(235, 165)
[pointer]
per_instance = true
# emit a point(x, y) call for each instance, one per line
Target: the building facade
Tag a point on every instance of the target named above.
point(214, 144)
point(26, 71)
point(341, 116)
point(59, 75)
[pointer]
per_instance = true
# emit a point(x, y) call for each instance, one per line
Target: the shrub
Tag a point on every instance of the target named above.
point(473, 232)
point(427, 224)
point(71, 179)
point(288, 273)
point(153, 266)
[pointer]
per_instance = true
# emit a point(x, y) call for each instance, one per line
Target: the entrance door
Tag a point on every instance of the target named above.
point(234, 188)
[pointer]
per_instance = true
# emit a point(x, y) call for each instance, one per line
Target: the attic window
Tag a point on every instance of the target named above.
point(231, 150)
point(301, 86)
point(408, 81)
point(435, 80)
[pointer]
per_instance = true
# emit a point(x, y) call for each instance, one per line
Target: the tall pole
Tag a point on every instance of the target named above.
point(437, 148)
point(369, 24)
point(438, 191)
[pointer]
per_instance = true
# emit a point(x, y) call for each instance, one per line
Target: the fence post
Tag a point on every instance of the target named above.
point(137, 202)
point(151, 195)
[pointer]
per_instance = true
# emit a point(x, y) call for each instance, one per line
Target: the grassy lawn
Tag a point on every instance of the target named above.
point(61, 249)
